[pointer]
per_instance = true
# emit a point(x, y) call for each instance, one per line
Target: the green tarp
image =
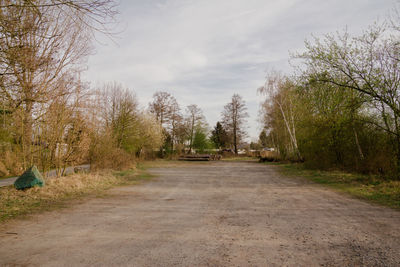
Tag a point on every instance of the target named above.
point(29, 178)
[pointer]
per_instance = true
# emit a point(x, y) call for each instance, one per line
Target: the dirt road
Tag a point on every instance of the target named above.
point(210, 214)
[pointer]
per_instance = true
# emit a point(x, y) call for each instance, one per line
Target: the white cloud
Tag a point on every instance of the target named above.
point(204, 51)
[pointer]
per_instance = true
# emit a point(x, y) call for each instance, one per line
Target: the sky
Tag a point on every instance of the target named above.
point(204, 51)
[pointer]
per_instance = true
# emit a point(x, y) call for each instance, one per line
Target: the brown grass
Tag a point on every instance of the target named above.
point(10, 164)
point(59, 192)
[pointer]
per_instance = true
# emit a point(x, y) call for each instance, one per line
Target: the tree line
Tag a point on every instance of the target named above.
point(189, 130)
point(51, 118)
point(341, 108)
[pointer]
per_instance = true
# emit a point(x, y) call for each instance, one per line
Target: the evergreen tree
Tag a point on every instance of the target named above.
point(219, 136)
point(263, 139)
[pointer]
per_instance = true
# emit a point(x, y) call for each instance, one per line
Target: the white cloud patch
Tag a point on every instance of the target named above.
point(204, 51)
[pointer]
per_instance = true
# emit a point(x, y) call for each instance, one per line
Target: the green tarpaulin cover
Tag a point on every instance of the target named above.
point(29, 178)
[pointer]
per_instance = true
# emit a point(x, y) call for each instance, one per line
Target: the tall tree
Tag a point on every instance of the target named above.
point(194, 118)
point(99, 15)
point(148, 135)
point(60, 135)
point(280, 94)
point(167, 112)
point(161, 106)
point(41, 42)
point(234, 119)
point(263, 138)
point(368, 65)
point(123, 115)
point(175, 120)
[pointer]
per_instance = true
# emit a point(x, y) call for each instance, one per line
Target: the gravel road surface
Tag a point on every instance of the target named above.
point(209, 214)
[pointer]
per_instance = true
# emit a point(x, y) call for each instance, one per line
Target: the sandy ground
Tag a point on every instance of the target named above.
point(213, 214)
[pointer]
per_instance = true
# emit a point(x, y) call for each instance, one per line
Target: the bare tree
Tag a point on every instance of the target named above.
point(121, 131)
point(161, 106)
point(41, 42)
point(60, 133)
point(96, 14)
point(234, 118)
point(149, 134)
point(120, 114)
point(194, 119)
point(277, 88)
point(176, 119)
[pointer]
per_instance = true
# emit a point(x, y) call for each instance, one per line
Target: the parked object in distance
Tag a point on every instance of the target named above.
point(268, 149)
point(200, 157)
point(227, 152)
point(242, 152)
point(30, 178)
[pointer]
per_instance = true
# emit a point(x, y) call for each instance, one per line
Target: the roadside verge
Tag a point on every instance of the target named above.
point(63, 191)
point(371, 188)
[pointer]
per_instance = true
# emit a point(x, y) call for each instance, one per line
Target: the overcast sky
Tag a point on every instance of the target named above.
point(204, 51)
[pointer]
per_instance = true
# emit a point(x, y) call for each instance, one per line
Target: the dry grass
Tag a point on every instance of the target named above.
point(10, 164)
point(61, 191)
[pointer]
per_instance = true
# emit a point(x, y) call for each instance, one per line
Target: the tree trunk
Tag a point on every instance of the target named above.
point(27, 134)
point(191, 136)
point(358, 143)
point(291, 133)
point(173, 135)
point(398, 149)
point(235, 141)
